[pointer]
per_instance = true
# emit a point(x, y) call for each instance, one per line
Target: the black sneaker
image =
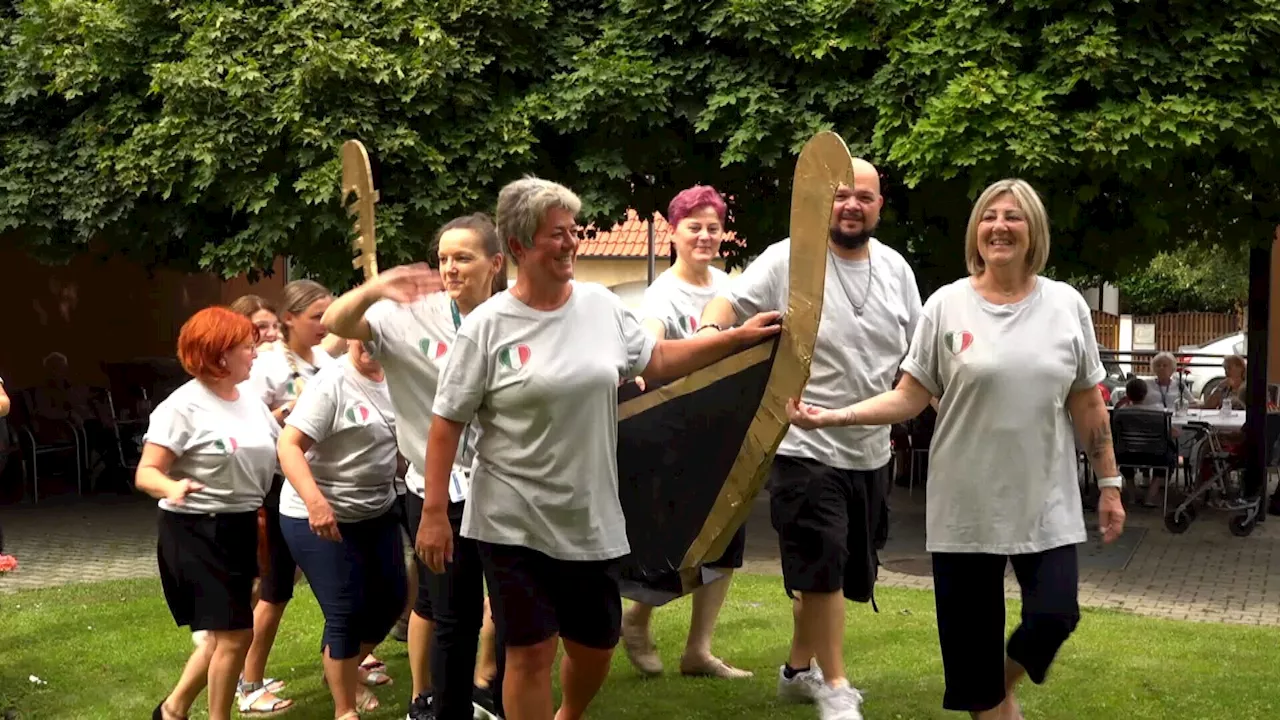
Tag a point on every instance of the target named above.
point(482, 702)
point(420, 708)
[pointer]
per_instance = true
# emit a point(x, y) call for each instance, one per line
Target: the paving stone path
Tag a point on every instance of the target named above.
point(1205, 574)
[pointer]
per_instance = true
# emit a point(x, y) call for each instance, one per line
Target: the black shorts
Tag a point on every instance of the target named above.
point(277, 577)
point(413, 516)
point(535, 597)
point(828, 521)
point(207, 566)
point(734, 552)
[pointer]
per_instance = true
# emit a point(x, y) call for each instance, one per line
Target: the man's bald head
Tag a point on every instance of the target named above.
point(856, 210)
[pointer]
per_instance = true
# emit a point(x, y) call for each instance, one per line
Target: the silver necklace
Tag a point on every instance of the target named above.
point(857, 308)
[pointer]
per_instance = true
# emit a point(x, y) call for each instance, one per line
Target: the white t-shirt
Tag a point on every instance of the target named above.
point(230, 447)
point(678, 304)
point(413, 343)
point(855, 357)
point(1165, 396)
point(354, 457)
point(274, 378)
point(543, 386)
point(1002, 465)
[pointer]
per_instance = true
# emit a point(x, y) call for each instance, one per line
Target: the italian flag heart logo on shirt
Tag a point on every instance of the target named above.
point(227, 444)
point(432, 348)
point(514, 357)
point(688, 323)
point(958, 342)
point(358, 414)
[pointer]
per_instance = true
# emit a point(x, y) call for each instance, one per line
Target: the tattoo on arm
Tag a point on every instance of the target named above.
point(1100, 442)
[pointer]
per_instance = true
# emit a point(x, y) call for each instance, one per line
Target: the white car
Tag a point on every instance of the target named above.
point(1206, 372)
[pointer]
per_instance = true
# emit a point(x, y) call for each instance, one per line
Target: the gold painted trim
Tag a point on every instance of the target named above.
point(824, 164)
point(697, 380)
point(357, 179)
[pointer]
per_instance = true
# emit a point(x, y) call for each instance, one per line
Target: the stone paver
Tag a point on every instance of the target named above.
point(1205, 574)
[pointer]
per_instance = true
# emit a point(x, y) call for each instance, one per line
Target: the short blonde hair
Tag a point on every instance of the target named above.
point(1037, 224)
point(522, 205)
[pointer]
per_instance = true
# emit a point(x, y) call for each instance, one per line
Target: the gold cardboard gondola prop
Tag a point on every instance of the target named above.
point(694, 454)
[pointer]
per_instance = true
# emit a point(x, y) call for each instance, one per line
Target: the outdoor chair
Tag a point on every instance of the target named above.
point(1143, 440)
point(39, 437)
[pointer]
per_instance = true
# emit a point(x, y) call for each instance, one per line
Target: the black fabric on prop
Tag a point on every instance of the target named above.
point(673, 462)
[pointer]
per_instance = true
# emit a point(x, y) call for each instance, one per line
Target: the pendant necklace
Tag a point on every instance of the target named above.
point(857, 308)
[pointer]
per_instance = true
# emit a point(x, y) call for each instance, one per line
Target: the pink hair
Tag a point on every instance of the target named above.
point(695, 198)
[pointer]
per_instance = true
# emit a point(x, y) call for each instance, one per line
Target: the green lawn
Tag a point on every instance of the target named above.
point(111, 651)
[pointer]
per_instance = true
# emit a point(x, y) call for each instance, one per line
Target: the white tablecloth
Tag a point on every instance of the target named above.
point(1215, 418)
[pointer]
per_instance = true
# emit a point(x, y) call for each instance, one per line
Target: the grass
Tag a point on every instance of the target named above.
point(110, 650)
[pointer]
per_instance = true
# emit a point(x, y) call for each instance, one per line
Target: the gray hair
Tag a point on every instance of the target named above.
point(522, 205)
point(1164, 357)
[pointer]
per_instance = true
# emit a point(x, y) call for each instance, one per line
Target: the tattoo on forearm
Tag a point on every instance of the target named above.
point(1100, 445)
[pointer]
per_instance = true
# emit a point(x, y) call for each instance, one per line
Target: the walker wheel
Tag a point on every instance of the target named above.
point(1178, 521)
point(1242, 525)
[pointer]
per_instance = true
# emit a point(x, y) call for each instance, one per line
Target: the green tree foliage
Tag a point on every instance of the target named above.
point(210, 130)
point(1189, 279)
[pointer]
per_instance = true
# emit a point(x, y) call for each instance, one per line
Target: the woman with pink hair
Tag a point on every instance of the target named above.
point(671, 308)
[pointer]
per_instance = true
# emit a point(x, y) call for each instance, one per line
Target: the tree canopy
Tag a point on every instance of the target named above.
point(207, 133)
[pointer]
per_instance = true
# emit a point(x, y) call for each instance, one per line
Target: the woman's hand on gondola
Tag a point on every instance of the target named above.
point(812, 417)
point(434, 543)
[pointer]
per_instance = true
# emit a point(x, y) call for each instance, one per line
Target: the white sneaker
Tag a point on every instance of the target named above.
point(840, 702)
point(803, 688)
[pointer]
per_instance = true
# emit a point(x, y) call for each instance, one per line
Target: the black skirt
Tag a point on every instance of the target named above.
point(207, 567)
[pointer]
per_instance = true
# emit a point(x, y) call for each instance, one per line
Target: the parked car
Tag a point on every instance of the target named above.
point(1206, 373)
point(1112, 386)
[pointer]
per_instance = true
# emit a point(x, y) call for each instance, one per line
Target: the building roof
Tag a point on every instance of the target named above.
point(630, 239)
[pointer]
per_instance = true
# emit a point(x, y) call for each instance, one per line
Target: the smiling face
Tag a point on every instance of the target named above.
point(268, 326)
point(305, 328)
point(555, 247)
point(697, 237)
point(1004, 237)
point(468, 274)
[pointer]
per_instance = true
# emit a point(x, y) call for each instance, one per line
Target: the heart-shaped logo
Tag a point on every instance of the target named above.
point(958, 342)
point(358, 414)
point(432, 348)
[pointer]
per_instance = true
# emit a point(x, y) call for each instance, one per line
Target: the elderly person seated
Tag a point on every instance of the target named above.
point(1137, 398)
point(1232, 389)
point(1165, 390)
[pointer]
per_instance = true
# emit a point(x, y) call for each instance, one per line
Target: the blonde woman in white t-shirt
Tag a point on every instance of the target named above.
point(410, 324)
point(1012, 357)
point(671, 308)
point(279, 375)
point(209, 455)
point(338, 452)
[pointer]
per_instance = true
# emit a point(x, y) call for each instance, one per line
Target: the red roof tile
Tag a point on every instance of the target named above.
point(630, 239)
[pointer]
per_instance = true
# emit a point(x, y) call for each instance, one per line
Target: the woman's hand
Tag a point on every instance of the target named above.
point(434, 543)
point(323, 523)
point(180, 489)
point(811, 417)
point(757, 328)
point(407, 283)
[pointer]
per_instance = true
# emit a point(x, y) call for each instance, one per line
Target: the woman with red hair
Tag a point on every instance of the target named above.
point(209, 456)
point(671, 308)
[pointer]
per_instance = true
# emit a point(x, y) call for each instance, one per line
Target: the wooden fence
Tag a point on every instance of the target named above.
point(1173, 330)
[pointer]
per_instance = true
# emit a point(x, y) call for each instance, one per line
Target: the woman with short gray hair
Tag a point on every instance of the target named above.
point(1164, 390)
point(1013, 359)
point(537, 369)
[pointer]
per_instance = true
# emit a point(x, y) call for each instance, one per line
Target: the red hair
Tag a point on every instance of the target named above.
point(207, 336)
point(695, 198)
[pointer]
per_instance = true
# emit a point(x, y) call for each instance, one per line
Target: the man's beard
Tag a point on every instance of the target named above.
point(851, 241)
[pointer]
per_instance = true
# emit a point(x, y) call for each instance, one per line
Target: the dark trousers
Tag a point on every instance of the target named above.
point(969, 597)
point(457, 603)
point(359, 583)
